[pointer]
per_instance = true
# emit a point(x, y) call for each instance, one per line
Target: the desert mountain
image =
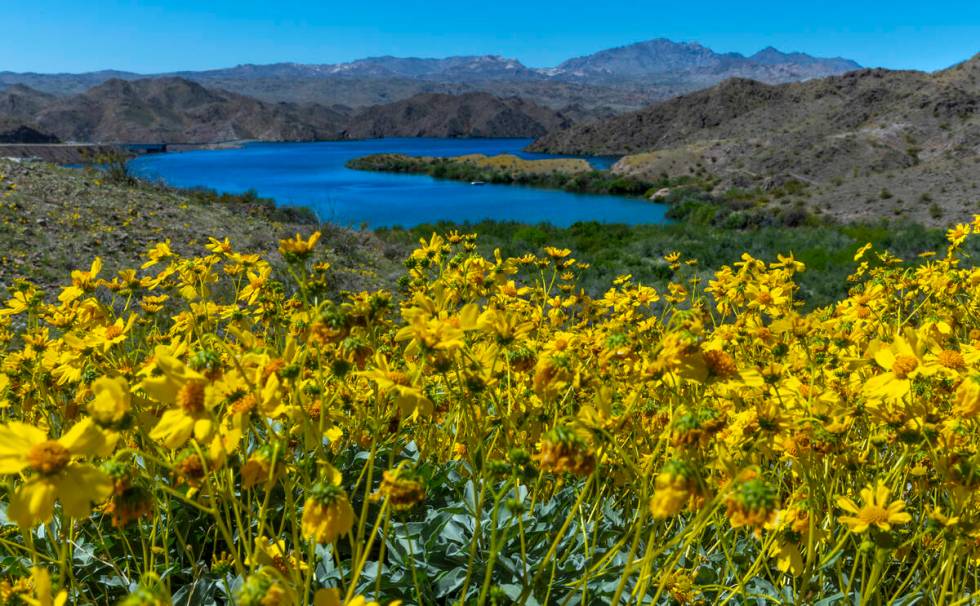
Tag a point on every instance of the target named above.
point(63, 83)
point(468, 115)
point(483, 67)
point(617, 79)
point(20, 102)
point(772, 56)
point(664, 60)
point(365, 91)
point(868, 139)
point(19, 105)
point(174, 110)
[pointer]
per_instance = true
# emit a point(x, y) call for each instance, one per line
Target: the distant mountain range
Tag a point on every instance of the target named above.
point(662, 60)
point(643, 62)
point(611, 80)
point(867, 143)
point(450, 69)
point(487, 96)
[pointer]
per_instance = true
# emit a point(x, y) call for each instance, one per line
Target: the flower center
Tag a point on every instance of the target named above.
point(764, 298)
point(280, 563)
point(950, 358)
point(191, 468)
point(113, 331)
point(873, 514)
point(398, 378)
point(903, 365)
point(191, 397)
point(720, 363)
point(273, 366)
point(48, 457)
point(244, 404)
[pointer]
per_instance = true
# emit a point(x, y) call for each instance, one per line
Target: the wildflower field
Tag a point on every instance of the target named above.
point(217, 430)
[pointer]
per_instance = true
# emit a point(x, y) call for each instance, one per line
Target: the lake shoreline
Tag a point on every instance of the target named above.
point(315, 175)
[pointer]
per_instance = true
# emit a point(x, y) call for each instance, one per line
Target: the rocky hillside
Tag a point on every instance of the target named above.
point(19, 105)
point(468, 115)
point(865, 144)
point(179, 111)
point(53, 220)
point(20, 102)
point(63, 84)
point(170, 110)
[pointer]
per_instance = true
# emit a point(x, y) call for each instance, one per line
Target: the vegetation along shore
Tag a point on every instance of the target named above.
point(690, 198)
point(80, 214)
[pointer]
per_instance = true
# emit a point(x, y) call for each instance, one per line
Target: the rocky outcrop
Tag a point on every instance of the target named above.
point(24, 134)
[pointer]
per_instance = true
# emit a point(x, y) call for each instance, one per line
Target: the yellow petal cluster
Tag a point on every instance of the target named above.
point(489, 431)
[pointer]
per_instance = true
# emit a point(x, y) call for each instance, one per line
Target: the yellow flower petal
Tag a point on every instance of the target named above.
point(33, 503)
point(174, 429)
point(847, 504)
point(885, 358)
point(163, 388)
point(85, 439)
point(202, 429)
point(16, 440)
point(79, 487)
point(327, 597)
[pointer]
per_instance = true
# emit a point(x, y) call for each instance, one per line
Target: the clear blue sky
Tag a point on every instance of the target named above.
point(166, 35)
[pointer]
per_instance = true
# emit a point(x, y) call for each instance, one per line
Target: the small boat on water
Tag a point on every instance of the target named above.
point(478, 182)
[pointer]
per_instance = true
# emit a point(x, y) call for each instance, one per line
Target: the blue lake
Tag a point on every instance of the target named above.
point(314, 175)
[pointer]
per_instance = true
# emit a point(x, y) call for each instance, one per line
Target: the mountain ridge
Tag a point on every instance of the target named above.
point(661, 57)
point(592, 81)
point(175, 110)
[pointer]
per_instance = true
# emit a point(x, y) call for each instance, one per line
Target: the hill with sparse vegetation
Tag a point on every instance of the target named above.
point(53, 217)
point(866, 144)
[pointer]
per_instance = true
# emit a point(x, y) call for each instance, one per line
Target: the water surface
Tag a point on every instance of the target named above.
point(314, 175)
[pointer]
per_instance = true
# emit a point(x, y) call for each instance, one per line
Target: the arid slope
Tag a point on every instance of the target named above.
point(869, 143)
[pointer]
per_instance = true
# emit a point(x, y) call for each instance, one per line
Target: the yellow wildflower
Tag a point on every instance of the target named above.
point(875, 510)
point(902, 362)
point(111, 403)
point(297, 247)
point(159, 252)
point(187, 390)
point(55, 470)
point(327, 513)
